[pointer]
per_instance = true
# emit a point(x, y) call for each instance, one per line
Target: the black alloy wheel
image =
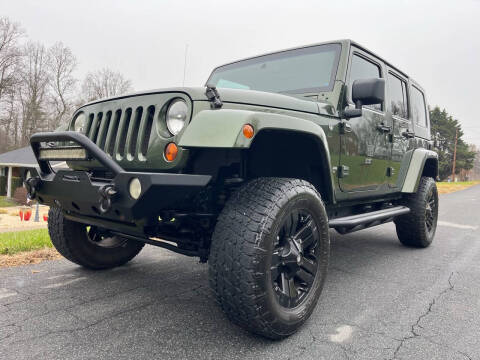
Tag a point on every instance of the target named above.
point(294, 259)
point(104, 239)
point(431, 211)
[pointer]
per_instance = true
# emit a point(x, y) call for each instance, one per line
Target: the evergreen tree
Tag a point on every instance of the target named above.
point(444, 127)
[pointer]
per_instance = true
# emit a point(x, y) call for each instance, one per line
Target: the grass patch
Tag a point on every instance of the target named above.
point(449, 187)
point(20, 241)
point(5, 202)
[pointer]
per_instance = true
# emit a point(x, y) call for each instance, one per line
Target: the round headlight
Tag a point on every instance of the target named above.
point(79, 123)
point(177, 114)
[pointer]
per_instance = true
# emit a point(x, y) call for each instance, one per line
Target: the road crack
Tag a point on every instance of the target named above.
point(413, 328)
point(106, 318)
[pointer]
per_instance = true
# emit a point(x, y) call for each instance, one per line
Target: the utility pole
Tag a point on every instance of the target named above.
point(454, 155)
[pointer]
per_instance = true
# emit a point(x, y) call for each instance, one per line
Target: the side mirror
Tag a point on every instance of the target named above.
point(366, 92)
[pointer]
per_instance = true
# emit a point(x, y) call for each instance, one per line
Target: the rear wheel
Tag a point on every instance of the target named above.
point(89, 246)
point(418, 227)
point(269, 255)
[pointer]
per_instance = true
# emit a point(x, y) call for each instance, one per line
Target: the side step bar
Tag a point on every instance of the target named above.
point(352, 223)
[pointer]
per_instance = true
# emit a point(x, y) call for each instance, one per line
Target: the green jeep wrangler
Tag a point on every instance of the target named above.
point(247, 173)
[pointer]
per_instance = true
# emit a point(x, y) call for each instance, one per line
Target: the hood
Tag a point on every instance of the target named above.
point(240, 96)
point(268, 99)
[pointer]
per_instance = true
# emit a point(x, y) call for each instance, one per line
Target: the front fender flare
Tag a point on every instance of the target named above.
point(223, 129)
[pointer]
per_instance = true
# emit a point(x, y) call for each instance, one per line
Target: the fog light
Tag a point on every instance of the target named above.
point(135, 188)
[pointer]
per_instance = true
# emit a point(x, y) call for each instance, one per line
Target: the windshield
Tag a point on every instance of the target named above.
point(310, 69)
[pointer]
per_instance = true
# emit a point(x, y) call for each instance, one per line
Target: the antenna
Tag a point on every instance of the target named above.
point(185, 64)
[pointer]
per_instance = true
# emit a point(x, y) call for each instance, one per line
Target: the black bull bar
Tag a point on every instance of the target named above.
point(82, 196)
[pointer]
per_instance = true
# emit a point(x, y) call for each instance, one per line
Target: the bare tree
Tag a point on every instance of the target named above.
point(10, 57)
point(11, 120)
point(10, 54)
point(33, 90)
point(61, 65)
point(38, 86)
point(104, 83)
point(7, 108)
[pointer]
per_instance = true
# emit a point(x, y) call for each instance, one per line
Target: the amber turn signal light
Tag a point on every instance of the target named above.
point(171, 151)
point(248, 131)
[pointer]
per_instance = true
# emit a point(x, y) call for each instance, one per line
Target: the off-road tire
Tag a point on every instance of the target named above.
point(412, 229)
point(240, 254)
point(71, 241)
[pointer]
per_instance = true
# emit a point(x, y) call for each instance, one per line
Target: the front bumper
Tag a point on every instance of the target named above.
point(82, 196)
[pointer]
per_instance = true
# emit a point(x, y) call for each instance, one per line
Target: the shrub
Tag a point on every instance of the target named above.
point(20, 195)
point(3, 185)
point(16, 183)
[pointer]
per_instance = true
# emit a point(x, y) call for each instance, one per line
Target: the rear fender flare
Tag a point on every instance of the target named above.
point(416, 169)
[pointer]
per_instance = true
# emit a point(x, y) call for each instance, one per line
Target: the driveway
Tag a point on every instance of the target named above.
point(381, 301)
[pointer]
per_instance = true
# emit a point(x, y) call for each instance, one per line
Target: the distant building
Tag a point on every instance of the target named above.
point(13, 164)
point(474, 173)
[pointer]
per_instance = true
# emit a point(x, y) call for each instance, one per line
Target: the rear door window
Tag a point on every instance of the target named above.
point(419, 109)
point(397, 93)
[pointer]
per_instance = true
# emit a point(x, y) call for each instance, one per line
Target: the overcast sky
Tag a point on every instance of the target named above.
point(435, 42)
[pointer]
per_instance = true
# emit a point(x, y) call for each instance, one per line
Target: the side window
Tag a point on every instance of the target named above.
point(397, 92)
point(419, 110)
point(364, 69)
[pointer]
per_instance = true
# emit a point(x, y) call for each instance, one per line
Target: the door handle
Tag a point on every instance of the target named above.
point(345, 127)
point(408, 134)
point(384, 128)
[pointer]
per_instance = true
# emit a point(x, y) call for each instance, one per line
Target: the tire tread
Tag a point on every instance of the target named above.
point(235, 249)
point(411, 227)
point(68, 238)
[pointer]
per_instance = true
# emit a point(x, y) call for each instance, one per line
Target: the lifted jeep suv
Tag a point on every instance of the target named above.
point(247, 173)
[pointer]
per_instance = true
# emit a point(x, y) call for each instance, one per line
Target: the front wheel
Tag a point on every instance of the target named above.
point(269, 255)
point(417, 228)
point(91, 246)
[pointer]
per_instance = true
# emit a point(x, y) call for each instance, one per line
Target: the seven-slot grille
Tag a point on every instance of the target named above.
point(124, 134)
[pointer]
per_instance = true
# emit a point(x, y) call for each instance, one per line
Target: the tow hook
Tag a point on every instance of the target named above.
point(107, 195)
point(32, 185)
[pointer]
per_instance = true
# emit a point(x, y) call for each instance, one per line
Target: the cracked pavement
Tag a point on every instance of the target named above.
point(380, 301)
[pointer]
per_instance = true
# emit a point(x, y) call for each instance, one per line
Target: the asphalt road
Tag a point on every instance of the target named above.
point(381, 301)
